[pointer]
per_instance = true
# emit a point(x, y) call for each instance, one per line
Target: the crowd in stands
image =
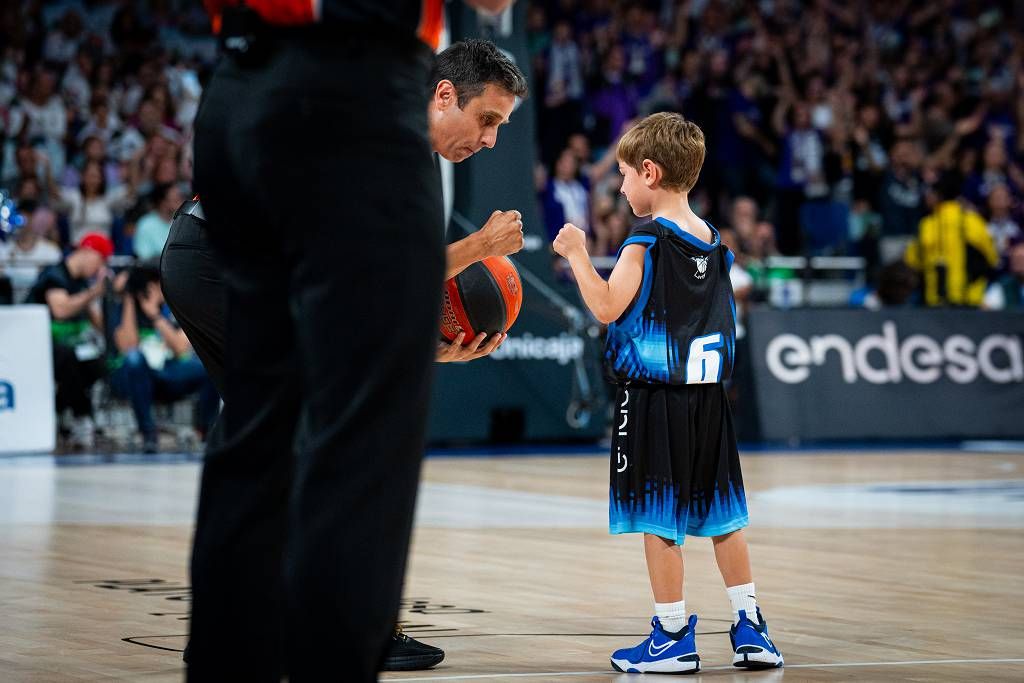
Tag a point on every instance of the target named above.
point(97, 100)
point(891, 130)
point(831, 126)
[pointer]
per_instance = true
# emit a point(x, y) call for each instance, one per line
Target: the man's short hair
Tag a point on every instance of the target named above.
point(672, 142)
point(473, 64)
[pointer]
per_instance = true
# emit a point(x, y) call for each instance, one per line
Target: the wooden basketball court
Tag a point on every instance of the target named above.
point(894, 565)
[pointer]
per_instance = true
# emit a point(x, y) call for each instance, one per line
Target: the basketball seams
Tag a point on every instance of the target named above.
point(491, 280)
point(486, 298)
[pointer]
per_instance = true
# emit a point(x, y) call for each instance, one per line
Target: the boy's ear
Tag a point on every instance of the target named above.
point(651, 172)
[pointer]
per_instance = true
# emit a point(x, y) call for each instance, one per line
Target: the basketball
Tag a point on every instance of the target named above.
point(485, 297)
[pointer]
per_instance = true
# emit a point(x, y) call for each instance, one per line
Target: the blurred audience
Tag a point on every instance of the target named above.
point(836, 119)
point(154, 359)
point(72, 290)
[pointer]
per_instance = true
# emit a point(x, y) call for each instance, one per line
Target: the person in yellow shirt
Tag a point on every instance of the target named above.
point(953, 250)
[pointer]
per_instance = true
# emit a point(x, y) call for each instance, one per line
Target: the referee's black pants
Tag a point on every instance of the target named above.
point(316, 178)
point(192, 280)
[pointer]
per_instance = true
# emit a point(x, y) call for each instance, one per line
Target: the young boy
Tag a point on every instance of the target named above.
point(675, 470)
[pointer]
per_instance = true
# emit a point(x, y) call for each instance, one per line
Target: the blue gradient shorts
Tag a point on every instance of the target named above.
point(675, 470)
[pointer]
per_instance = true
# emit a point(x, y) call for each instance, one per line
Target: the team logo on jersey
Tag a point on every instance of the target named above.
point(702, 266)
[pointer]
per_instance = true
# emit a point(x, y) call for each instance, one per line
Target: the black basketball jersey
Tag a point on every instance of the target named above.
point(681, 327)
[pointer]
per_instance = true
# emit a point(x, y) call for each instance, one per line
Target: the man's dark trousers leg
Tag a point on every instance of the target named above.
point(192, 279)
point(316, 171)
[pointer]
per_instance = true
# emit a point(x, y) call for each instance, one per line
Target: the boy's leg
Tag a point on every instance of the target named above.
point(671, 647)
point(752, 647)
point(665, 567)
point(733, 558)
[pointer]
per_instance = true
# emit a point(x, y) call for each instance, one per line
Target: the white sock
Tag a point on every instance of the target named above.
point(672, 615)
point(743, 598)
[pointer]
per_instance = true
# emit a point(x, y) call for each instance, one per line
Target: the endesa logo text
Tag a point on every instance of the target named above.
point(887, 359)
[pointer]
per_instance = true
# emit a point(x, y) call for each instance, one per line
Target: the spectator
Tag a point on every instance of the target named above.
point(614, 101)
point(898, 284)
point(72, 290)
point(27, 164)
point(91, 207)
point(75, 85)
point(563, 95)
point(953, 251)
point(870, 140)
point(154, 359)
point(742, 282)
point(28, 191)
point(995, 170)
point(63, 41)
point(94, 149)
point(901, 201)
point(566, 197)
point(41, 117)
point(801, 169)
point(1007, 293)
point(23, 257)
point(102, 123)
point(743, 219)
point(152, 229)
point(610, 230)
point(1002, 224)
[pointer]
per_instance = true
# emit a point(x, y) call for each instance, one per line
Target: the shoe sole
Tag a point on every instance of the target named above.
point(412, 662)
point(628, 667)
point(749, 660)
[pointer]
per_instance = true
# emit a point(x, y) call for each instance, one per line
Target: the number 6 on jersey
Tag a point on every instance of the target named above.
point(704, 360)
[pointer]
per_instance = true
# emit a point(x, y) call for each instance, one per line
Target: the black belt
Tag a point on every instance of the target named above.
point(191, 208)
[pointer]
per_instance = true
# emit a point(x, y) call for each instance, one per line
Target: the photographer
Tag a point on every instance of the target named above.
point(154, 359)
point(72, 290)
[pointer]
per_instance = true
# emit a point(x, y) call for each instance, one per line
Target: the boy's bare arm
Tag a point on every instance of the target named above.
point(606, 300)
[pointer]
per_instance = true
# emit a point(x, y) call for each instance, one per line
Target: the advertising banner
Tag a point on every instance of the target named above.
point(915, 374)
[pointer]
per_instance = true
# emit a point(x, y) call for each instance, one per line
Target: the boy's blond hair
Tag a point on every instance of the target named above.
point(669, 140)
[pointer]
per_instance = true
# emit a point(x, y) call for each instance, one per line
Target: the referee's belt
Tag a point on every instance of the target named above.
point(192, 207)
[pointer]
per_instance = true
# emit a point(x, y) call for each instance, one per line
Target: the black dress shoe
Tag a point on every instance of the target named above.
point(409, 654)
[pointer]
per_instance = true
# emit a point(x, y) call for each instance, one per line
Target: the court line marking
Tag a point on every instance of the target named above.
point(609, 672)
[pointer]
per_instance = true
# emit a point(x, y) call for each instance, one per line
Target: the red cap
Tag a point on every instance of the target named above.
point(98, 242)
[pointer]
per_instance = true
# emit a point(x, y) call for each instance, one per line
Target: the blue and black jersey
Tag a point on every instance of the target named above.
point(681, 327)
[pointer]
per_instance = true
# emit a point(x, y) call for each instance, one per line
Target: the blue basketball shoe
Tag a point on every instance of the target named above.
point(661, 653)
point(751, 644)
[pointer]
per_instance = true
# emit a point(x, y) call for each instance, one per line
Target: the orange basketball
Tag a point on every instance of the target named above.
point(485, 297)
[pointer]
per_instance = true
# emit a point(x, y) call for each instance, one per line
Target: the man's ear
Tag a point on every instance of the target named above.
point(445, 95)
point(651, 172)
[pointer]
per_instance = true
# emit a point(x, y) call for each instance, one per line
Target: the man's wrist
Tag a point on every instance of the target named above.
point(481, 245)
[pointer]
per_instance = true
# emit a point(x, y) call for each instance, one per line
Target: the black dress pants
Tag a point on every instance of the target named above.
point(192, 279)
point(316, 178)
